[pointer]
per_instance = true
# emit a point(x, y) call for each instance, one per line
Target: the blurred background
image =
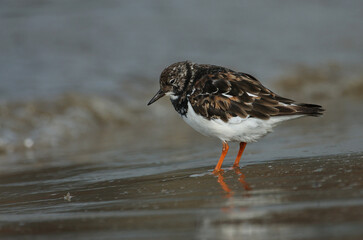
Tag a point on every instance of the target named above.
point(83, 157)
point(77, 74)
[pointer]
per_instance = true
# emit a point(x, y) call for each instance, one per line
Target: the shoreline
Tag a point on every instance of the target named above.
point(275, 198)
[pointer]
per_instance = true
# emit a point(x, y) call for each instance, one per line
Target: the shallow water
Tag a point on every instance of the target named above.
point(308, 198)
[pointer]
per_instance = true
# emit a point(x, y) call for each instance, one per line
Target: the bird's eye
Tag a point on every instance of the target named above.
point(172, 81)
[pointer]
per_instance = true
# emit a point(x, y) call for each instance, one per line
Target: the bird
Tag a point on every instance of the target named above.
point(232, 106)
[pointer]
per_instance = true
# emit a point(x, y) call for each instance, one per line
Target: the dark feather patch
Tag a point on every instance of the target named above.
point(267, 110)
point(265, 91)
point(248, 87)
point(283, 110)
point(224, 94)
point(238, 109)
point(309, 109)
point(209, 87)
point(235, 90)
point(247, 98)
point(260, 115)
point(215, 113)
point(219, 102)
point(268, 101)
point(222, 85)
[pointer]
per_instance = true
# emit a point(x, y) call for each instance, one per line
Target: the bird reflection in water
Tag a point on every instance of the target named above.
point(226, 188)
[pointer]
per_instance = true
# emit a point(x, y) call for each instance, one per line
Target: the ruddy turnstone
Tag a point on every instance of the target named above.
point(232, 106)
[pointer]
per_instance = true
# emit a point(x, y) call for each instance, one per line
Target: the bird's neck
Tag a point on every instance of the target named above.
point(180, 104)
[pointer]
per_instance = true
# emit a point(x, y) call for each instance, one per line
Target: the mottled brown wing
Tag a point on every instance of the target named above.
point(223, 95)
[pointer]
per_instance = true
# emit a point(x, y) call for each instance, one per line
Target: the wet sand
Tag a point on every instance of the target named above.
point(301, 198)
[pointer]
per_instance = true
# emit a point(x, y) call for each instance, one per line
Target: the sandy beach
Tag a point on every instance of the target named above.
point(300, 198)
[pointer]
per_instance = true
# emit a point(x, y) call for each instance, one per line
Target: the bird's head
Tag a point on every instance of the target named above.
point(173, 80)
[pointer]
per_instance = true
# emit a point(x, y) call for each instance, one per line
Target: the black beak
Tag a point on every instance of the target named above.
point(158, 95)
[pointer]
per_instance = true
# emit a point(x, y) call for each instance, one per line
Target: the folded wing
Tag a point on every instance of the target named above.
point(226, 94)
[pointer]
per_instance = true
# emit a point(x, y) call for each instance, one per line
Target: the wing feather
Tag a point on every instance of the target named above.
point(225, 94)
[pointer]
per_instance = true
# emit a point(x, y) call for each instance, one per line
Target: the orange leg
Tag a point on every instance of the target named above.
point(242, 146)
point(223, 155)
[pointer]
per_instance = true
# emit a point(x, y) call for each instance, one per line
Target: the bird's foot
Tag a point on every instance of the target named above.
point(218, 172)
point(235, 166)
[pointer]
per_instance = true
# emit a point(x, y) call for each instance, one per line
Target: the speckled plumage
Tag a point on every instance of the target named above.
point(233, 106)
point(220, 93)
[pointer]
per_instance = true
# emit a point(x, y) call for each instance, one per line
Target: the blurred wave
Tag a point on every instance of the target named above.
point(51, 123)
point(323, 83)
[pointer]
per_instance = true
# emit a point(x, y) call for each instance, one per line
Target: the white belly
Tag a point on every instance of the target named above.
point(236, 129)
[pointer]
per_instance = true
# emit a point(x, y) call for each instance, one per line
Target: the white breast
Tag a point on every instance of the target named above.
point(236, 129)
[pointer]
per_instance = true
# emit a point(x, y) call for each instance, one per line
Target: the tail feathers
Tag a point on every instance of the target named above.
point(309, 109)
